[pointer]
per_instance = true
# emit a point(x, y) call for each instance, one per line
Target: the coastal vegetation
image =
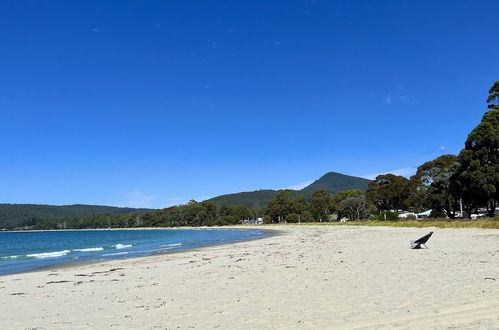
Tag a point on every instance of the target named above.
point(489, 223)
point(27, 215)
point(190, 214)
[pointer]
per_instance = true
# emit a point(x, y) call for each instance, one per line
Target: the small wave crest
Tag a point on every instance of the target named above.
point(89, 249)
point(48, 254)
point(172, 245)
point(11, 257)
point(123, 246)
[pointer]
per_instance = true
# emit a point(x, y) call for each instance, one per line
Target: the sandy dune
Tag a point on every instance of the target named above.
point(311, 277)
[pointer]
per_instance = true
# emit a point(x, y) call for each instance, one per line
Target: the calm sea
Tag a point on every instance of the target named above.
point(24, 251)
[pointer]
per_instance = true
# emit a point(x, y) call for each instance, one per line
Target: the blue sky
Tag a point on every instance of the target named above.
point(152, 103)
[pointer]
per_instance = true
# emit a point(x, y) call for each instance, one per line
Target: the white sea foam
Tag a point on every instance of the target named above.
point(89, 249)
point(123, 246)
point(172, 245)
point(114, 254)
point(11, 257)
point(48, 254)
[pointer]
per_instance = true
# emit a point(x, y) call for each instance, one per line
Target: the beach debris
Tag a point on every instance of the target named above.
point(105, 272)
point(56, 282)
point(115, 269)
point(18, 294)
point(490, 278)
point(108, 271)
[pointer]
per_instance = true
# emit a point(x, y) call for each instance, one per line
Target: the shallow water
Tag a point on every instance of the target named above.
point(25, 251)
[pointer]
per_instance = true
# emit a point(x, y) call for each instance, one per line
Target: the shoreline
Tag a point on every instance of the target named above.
point(72, 264)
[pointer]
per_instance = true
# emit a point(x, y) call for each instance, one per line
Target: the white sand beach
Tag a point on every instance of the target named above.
point(310, 277)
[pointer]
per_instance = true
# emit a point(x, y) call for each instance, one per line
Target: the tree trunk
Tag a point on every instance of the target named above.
point(491, 208)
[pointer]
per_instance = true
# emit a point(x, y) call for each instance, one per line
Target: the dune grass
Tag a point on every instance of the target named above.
point(492, 223)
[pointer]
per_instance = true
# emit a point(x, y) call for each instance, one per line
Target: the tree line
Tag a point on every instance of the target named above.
point(191, 214)
point(282, 208)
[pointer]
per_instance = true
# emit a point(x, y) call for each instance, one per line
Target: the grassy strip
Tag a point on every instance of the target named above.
point(439, 223)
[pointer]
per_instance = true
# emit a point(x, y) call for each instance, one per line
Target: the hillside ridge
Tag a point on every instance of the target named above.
point(14, 215)
point(333, 182)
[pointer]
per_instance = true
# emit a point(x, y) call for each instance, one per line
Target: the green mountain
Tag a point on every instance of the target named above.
point(16, 215)
point(332, 182)
point(254, 199)
point(335, 183)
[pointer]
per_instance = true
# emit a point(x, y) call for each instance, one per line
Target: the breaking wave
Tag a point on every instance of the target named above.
point(48, 254)
point(89, 249)
point(123, 246)
point(172, 245)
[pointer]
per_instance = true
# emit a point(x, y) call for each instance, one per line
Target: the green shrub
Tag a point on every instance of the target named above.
point(436, 213)
point(293, 218)
point(226, 220)
point(306, 217)
point(387, 215)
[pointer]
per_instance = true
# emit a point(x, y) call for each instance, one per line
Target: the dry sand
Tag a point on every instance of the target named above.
point(311, 277)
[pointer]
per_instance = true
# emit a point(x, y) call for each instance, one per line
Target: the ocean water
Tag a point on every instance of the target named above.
point(25, 251)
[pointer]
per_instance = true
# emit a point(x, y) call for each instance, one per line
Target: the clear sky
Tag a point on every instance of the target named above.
point(152, 103)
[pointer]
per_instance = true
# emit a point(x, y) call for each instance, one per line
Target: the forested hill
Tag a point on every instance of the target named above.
point(332, 182)
point(17, 215)
point(252, 199)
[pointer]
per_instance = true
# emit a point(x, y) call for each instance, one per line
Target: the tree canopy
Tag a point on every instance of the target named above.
point(478, 174)
point(322, 205)
point(389, 192)
point(493, 99)
point(355, 207)
point(431, 187)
